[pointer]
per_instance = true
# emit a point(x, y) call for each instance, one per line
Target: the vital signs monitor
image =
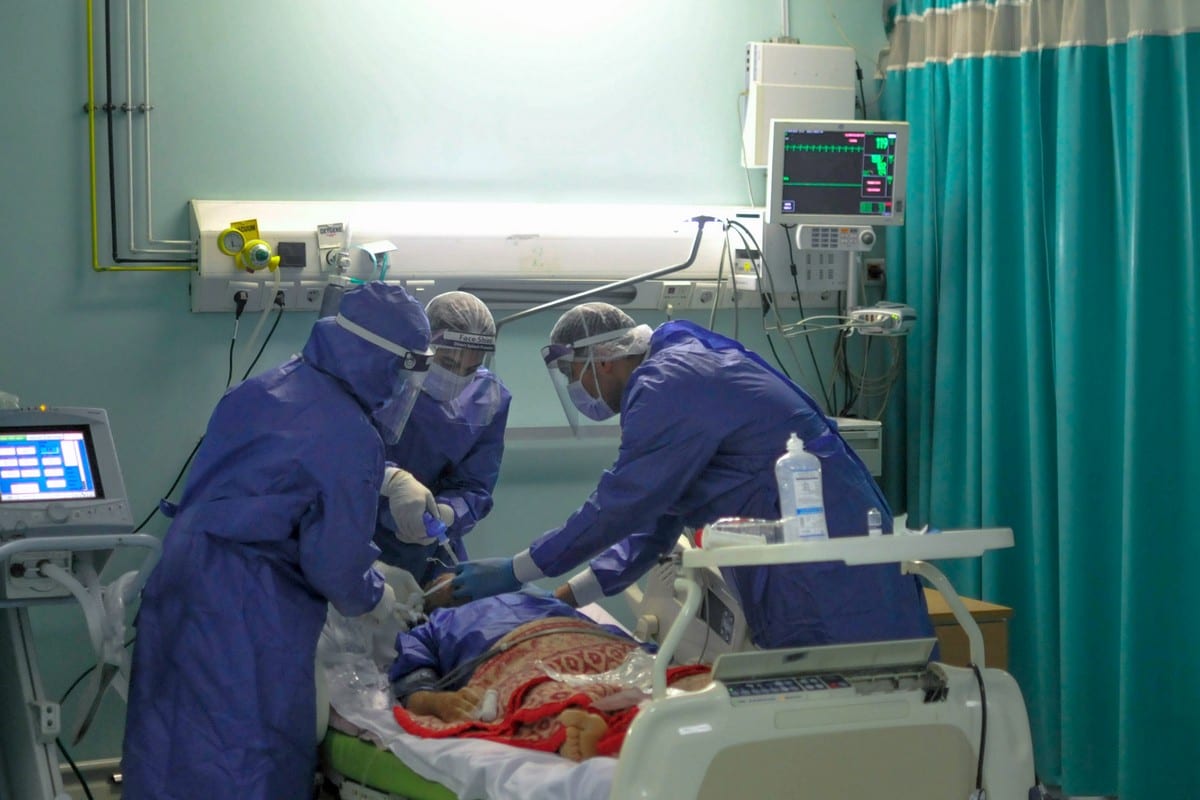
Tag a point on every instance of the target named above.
point(837, 172)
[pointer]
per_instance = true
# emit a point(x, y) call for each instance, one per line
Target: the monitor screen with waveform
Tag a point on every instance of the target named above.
point(832, 172)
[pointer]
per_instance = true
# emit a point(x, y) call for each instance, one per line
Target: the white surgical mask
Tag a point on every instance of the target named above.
point(444, 385)
point(594, 408)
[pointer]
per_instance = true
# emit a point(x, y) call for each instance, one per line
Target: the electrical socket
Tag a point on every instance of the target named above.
point(309, 296)
point(875, 270)
point(290, 293)
point(705, 295)
point(253, 291)
point(47, 719)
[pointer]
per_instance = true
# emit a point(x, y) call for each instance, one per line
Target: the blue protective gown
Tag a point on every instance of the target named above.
point(455, 451)
point(703, 421)
point(275, 523)
point(455, 635)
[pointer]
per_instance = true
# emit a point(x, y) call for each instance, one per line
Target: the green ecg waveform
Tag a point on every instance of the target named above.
point(822, 148)
point(791, 182)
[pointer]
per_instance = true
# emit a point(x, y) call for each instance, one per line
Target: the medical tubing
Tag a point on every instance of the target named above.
point(270, 334)
point(262, 318)
point(787, 235)
point(91, 610)
point(747, 239)
point(634, 672)
point(468, 667)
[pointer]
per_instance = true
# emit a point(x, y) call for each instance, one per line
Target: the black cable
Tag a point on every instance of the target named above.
point(62, 748)
point(112, 164)
point(232, 342)
point(745, 233)
point(84, 674)
point(173, 484)
point(861, 90)
point(78, 775)
point(800, 304)
point(852, 398)
point(240, 299)
point(179, 476)
point(982, 726)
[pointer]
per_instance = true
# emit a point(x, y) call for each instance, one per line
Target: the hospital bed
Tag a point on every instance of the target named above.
point(848, 721)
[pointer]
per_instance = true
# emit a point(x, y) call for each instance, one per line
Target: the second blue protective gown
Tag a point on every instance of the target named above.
point(275, 523)
point(455, 450)
point(703, 421)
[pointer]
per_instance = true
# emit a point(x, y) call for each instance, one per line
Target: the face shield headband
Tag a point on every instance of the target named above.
point(454, 378)
point(392, 414)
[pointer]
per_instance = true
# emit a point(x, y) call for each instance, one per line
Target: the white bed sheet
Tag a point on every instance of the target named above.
point(471, 768)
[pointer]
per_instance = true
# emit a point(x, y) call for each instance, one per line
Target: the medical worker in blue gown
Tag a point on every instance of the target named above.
point(703, 421)
point(447, 461)
point(274, 524)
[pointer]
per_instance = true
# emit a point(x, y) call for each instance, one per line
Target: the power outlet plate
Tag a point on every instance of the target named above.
point(47, 719)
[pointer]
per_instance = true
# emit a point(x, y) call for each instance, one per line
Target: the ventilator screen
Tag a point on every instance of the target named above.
point(51, 463)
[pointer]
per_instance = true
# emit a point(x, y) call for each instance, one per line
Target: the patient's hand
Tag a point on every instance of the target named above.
point(457, 706)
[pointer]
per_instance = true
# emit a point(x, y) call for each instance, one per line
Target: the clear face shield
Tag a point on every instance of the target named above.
point(391, 415)
point(460, 379)
point(566, 373)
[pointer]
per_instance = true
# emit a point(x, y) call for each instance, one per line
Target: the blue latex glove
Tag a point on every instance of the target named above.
point(483, 578)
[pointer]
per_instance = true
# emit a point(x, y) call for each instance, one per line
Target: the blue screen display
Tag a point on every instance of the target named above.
point(52, 463)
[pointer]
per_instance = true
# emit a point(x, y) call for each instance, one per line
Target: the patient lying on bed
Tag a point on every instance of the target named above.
point(510, 646)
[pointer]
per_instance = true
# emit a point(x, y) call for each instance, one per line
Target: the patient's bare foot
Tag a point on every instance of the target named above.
point(584, 730)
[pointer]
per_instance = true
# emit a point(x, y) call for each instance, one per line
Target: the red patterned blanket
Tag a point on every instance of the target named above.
point(530, 701)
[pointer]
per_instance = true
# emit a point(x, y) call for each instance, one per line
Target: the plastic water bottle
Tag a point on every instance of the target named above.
point(801, 502)
point(874, 522)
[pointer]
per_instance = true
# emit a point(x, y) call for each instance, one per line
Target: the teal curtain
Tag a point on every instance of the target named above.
point(1053, 382)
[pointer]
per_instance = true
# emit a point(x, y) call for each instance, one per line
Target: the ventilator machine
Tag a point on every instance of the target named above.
point(63, 512)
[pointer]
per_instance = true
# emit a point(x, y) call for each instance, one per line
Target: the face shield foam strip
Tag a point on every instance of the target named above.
point(464, 341)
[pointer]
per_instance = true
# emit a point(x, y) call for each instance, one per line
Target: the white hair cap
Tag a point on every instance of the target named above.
point(607, 330)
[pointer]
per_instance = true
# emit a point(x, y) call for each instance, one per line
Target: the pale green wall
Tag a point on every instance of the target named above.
point(633, 101)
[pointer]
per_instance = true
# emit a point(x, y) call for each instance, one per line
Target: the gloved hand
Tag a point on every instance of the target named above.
point(408, 499)
point(386, 606)
point(447, 514)
point(483, 578)
point(401, 580)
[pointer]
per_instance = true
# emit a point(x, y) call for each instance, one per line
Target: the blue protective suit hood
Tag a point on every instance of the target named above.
point(365, 370)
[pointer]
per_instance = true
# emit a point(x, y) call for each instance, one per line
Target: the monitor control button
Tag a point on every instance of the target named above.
point(57, 512)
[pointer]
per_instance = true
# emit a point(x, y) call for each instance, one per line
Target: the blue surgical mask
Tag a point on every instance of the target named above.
point(594, 408)
point(444, 385)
